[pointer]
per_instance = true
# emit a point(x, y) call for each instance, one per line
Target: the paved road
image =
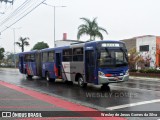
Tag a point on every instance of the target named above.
point(133, 95)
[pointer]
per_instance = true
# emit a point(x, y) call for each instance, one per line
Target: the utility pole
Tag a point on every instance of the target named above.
point(14, 35)
point(54, 24)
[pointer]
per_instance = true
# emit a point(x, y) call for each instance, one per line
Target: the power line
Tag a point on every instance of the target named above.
point(15, 12)
point(22, 16)
point(25, 10)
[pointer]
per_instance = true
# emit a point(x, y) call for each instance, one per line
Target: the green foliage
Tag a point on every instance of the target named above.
point(40, 45)
point(22, 42)
point(90, 28)
point(133, 70)
point(2, 53)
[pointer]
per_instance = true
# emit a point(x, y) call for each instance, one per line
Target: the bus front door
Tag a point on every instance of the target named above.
point(90, 66)
point(58, 63)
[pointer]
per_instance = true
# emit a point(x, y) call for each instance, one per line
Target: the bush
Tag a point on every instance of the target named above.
point(133, 70)
point(149, 71)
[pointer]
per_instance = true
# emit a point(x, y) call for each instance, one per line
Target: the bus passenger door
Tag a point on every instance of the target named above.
point(90, 66)
point(58, 63)
point(38, 64)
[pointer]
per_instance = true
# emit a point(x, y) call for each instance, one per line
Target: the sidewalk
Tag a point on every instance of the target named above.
point(144, 78)
point(20, 103)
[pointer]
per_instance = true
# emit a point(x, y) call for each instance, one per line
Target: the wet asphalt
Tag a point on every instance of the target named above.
point(128, 92)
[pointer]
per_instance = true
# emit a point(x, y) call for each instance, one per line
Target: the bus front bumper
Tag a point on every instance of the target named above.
point(104, 80)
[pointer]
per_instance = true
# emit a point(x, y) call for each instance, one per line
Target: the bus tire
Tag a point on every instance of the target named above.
point(105, 87)
point(29, 76)
point(81, 82)
point(47, 77)
point(69, 82)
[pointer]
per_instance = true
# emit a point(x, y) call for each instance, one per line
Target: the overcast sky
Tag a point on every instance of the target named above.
point(121, 18)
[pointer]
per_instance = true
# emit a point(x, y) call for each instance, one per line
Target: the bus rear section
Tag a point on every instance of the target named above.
point(29, 63)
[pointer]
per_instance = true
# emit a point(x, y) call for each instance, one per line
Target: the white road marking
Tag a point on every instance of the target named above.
point(132, 104)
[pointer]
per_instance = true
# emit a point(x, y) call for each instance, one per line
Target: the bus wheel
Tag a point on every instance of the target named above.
point(29, 76)
point(48, 78)
point(81, 82)
point(69, 82)
point(105, 87)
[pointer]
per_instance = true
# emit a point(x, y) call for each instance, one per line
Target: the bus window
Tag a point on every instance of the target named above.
point(78, 54)
point(51, 56)
point(45, 57)
point(32, 58)
point(27, 58)
point(67, 55)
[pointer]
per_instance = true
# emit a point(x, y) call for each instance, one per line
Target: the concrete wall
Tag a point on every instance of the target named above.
point(130, 43)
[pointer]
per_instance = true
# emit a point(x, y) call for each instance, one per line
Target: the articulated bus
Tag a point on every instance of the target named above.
point(96, 62)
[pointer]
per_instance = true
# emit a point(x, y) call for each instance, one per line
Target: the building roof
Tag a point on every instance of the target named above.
point(71, 41)
point(139, 37)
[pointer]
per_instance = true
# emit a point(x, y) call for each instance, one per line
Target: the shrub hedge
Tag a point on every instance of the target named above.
point(146, 71)
point(149, 71)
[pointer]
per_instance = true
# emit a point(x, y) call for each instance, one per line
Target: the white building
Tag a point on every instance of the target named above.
point(60, 43)
point(65, 41)
point(148, 47)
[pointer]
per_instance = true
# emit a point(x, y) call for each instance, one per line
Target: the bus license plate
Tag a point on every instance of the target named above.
point(116, 78)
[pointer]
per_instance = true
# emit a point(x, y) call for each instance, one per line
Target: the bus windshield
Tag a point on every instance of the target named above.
point(112, 57)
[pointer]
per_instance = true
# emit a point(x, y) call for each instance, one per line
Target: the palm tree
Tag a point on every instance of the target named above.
point(90, 28)
point(23, 42)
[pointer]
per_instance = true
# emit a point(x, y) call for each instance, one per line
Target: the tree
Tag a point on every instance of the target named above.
point(90, 28)
point(2, 53)
point(23, 42)
point(135, 59)
point(40, 45)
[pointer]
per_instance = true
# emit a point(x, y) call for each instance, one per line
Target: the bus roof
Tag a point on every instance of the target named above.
point(100, 41)
point(28, 52)
point(70, 46)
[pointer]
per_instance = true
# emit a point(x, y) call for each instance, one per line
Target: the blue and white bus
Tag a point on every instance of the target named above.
point(96, 62)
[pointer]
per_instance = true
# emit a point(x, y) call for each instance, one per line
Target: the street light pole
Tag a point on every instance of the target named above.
point(54, 8)
point(54, 25)
point(14, 35)
point(14, 47)
point(14, 38)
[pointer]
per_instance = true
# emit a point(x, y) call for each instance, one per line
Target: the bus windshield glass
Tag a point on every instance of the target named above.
point(112, 57)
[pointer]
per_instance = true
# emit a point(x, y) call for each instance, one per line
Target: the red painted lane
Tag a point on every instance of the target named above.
point(17, 99)
point(57, 101)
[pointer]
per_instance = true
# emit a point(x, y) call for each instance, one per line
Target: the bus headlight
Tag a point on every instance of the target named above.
point(127, 72)
point(101, 73)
